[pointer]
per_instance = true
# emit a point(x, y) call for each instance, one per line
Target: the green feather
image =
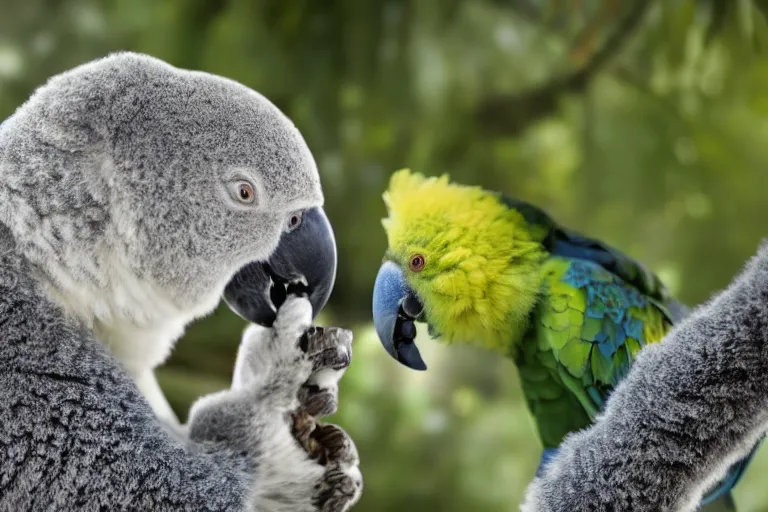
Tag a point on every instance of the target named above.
point(585, 332)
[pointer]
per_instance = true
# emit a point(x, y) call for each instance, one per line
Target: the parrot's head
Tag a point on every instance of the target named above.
point(460, 260)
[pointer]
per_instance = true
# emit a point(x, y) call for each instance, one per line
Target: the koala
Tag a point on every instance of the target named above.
point(286, 384)
point(134, 196)
point(691, 406)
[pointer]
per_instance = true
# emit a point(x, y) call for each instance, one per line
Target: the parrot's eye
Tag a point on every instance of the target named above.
point(294, 221)
point(417, 263)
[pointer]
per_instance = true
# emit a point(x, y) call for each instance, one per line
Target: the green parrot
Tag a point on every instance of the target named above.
point(483, 269)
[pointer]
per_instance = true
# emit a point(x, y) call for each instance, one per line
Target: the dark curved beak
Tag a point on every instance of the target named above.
point(304, 263)
point(395, 308)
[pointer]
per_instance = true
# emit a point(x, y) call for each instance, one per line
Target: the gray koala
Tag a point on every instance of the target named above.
point(133, 196)
point(691, 406)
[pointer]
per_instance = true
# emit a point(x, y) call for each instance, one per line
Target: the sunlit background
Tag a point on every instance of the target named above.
point(644, 123)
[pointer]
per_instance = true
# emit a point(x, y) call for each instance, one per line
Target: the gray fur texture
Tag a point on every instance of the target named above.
point(119, 224)
point(691, 405)
point(268, 376)
point(117, 182)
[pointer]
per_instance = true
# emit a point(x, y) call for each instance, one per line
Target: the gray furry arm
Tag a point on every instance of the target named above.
point(76, 434)
point(690, 406)
point(93, 444)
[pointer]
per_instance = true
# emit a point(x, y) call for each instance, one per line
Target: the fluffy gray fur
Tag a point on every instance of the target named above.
point(690, 406)
point(269, 375)
point(120, 224)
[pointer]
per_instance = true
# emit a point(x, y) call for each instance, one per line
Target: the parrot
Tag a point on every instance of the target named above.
point(483, 269)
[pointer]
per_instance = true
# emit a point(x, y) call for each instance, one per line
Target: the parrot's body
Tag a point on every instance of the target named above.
point(586, 329)
point(572, 312)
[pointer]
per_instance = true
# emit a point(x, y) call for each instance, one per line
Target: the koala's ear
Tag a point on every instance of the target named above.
point(304, 263)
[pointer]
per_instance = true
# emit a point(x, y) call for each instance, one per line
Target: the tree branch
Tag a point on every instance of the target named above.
point(511, 114)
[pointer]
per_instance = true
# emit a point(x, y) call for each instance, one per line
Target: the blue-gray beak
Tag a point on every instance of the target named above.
point(395, 308)
point(304, 263)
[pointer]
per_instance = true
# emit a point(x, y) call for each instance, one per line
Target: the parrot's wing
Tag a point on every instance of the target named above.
point(594, 324)
point(567, 244)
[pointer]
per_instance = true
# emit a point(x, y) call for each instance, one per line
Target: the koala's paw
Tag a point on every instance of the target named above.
point(342, 483)
point(331, 447)
point(288, 375)
point(294, 364)
point(320, 473)
point(330, 350)
point(270, 362)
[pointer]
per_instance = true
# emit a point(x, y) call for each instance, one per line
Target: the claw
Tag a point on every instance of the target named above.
point(338, 446)
point(329, 348)
point(332, 438)
point(318, 402)
point(302, 427)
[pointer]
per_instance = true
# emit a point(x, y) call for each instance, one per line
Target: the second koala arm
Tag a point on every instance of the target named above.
point(691, 405)
point(76, 434)
point(272, 404)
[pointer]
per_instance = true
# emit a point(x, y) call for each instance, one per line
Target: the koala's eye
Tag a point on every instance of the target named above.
point(294, 221)
point(242, 191)
point(245, 192)
point(417, 263)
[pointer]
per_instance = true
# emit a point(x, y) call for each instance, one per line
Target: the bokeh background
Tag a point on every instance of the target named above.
point(641, 122)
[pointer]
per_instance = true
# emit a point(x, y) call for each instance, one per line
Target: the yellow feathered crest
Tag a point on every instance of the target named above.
point(481, 278)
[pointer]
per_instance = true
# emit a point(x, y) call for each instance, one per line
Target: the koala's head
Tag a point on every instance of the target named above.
point(129, 168)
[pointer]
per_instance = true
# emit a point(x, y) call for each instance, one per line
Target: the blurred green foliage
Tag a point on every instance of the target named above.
point(644, 123)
